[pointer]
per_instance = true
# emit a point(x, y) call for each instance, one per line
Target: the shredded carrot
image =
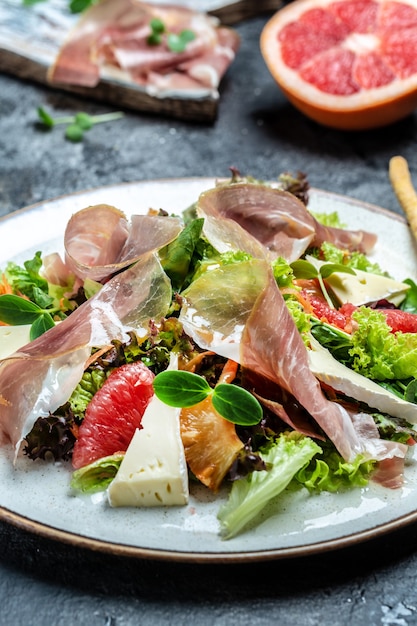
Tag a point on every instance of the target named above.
point(195, 361)
point(5, 286)
point(229, 372)
point(402, 185)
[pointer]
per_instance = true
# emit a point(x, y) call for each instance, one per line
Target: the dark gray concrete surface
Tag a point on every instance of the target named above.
point(257, 131)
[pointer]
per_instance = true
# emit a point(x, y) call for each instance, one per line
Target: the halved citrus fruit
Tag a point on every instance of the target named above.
point(113, 414)
point(348, 64)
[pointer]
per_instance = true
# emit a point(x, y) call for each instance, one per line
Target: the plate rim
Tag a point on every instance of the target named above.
point(79, 540)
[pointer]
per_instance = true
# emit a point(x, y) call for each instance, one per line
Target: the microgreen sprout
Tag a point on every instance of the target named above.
point(176, 42)
point(78, 124)
point(185, 389)
point(75, 6)
point(305, 269)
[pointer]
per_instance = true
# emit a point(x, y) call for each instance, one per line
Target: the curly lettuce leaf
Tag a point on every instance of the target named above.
point(51, 438)
point(28, 282)
point(249, 495)
point(330, 472)
point(379, 354)
point(354, 260)
point(97, 475)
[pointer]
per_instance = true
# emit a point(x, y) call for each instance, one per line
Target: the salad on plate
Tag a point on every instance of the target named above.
point(246, 344)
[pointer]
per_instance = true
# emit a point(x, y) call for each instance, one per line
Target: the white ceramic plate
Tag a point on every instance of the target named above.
point(36, 497)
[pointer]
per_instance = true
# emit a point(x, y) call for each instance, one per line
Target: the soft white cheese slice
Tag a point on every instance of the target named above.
point(153, 471)
point(363, 287)
point(328, 370)
point(12, 338)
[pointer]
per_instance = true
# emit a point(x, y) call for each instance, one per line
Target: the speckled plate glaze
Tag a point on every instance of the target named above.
point(36, 497)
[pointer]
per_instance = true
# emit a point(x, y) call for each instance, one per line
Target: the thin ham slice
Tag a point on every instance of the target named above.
point(238, 312)
point(41, 376)
point(277, 219)
point(113, 36)
point(99, 240)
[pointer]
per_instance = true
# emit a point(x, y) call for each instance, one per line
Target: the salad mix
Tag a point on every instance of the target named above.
point(255, 344)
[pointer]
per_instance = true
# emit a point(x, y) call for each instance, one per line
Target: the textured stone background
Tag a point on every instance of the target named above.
point(43, 582)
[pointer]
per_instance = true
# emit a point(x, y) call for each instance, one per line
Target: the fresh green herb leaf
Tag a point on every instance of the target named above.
point(177, 256)
point(84, 120)
point(17, 311)
point(76, 124)
point(74, 132)
point(45, 117)
point(331, 268)
point(409, 304)
point(304, 269)
point(78, 6)
point(181, 389)
point(157, 25)
point(178, 43)
point(236, 404)
point(40, 325)
point(185, 389)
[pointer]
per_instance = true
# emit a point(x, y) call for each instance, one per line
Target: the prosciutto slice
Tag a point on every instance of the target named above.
point(112, 36)
point(99, 241)
point(41, 376)
point(255, 328)
point(277, 219)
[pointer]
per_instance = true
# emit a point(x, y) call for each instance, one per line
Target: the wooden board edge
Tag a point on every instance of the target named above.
point(204, 109)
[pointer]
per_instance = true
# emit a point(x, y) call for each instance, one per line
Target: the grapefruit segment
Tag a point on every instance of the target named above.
point(114, 413)
point(349, 64)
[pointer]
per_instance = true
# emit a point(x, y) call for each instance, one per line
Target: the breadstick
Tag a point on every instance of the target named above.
point(402, 185)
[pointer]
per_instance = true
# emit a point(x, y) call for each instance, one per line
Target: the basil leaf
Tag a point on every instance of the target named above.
point(236, 405)
point(16, 311)
point(181, 389)
point(43, 323)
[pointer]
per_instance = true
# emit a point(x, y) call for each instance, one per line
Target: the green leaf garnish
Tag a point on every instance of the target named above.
point(236, 404)
point(78, 6)
point(176, 42)
point(17, 311)
point(43, 323)
point(305, 269)
point(185, 389)
point(76, 124)
point(181, 389)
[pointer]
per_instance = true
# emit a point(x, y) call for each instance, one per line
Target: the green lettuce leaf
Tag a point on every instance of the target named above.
point(330, 472)
point(249, 495)
point(378, 353)
point(97, 475)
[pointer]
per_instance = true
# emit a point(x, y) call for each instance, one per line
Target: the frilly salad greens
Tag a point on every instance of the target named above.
point(273, 457)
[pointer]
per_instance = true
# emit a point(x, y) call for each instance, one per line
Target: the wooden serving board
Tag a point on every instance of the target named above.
point(30, 38)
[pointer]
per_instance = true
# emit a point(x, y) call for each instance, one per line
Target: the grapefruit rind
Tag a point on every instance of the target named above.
point(368, 109)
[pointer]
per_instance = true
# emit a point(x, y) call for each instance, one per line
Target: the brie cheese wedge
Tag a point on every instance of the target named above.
point(12, 338)
point(363, 287)
point(154, 470)
point(328, 370)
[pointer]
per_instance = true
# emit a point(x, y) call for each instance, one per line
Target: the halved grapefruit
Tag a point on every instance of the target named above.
point(348, 64)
